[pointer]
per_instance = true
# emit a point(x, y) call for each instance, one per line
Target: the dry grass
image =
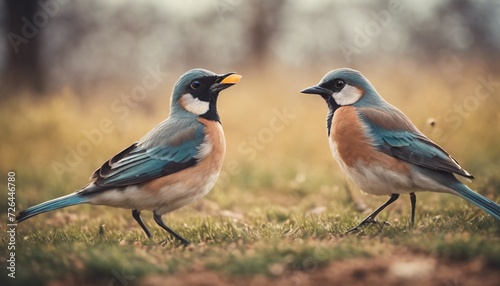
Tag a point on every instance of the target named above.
point(281, 205)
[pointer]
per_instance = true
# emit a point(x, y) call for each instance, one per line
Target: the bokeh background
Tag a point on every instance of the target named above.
point(81, 80)
point(84, 45)
point(65, 66)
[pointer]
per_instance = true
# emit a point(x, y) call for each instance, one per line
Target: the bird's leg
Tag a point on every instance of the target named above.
point(137, 216)
point(159, 221)
point(371, 217)
point(413, 200)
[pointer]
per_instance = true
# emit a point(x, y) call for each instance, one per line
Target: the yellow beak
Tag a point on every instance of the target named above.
point(231, 79)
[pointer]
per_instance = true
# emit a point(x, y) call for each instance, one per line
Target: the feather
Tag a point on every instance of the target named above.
point(482, 202)
point(62, 202)
point(395, 135)
point(155, 155)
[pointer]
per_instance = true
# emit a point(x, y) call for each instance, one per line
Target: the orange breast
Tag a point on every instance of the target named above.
point(206, 168)
point(354, 146)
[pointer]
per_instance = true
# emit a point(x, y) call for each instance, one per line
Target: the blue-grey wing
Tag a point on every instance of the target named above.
point(395, 135)
point(142, 162)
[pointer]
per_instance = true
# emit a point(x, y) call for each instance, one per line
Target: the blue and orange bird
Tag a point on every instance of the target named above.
point(381, 150)
point(173, 165)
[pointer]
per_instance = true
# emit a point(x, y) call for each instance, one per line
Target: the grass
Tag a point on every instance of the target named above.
point(280, 213)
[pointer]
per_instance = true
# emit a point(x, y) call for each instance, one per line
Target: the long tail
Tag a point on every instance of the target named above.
point(59, 203)
point(485, 204)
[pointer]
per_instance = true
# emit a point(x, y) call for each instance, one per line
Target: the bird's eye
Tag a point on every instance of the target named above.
point(195, 84)
point(339, 84)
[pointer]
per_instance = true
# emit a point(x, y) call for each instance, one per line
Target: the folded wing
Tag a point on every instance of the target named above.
point(173, 150)
point(394, 134)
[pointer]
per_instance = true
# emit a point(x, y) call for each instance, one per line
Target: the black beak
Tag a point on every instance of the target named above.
point(317, 90)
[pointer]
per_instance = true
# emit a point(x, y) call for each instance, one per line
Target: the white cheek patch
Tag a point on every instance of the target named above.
point(348, 95)
point(194, 105)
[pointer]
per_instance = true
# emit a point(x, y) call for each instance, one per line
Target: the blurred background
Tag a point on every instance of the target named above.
point(52, 44)
point(80, 80)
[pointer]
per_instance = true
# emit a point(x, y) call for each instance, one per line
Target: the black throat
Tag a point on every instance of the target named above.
point(212, 113)
point(332, 106)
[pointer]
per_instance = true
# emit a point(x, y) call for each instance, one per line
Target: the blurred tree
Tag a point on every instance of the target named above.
point(466, 28)
point(89, 43)
point(23, 68)
point(479, 23)
point(262, 23)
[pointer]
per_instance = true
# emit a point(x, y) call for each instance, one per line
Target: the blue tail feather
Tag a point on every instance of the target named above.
point(62, 202)
point(485, 204)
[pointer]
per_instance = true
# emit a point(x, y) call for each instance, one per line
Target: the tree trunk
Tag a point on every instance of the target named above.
point(23, 68)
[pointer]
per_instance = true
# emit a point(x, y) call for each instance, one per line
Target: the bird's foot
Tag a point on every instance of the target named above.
point(177, 242)
point(185, 242)
point(381, 225)
point(357, 228)
point(362, 224)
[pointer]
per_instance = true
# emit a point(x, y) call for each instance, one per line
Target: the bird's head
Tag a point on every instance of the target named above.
point(343, 87)
point(197, 90)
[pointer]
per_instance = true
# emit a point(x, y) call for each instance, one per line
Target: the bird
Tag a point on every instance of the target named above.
point(381, 151)
point(173, 165)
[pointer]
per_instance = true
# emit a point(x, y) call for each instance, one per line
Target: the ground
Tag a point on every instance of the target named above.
point(280, 209)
